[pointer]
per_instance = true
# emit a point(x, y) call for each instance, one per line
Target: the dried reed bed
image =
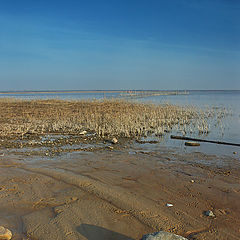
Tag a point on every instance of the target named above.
point(103, 117)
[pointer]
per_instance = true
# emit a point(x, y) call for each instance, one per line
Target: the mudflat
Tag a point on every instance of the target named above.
point(119, 193)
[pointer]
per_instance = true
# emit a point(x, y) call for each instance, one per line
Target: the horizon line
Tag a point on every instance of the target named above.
point(102, 90)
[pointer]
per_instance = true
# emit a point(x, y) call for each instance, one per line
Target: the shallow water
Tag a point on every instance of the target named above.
point(227, 129)
point(180, 147)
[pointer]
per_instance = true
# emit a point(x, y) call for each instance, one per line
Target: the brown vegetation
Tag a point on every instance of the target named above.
point(103, 117)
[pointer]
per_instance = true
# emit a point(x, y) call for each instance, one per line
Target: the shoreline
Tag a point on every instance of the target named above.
point(120, 195)
point(83, 170)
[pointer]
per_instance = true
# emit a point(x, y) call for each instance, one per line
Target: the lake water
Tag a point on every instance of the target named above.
point(228, 130)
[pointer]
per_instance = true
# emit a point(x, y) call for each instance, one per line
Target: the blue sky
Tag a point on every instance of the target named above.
point(112, 44)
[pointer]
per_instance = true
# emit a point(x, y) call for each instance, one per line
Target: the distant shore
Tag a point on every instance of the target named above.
point(111, 91)
point(61, 91)
point(121, 92)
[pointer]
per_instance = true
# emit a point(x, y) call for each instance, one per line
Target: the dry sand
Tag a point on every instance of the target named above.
point(117, 195)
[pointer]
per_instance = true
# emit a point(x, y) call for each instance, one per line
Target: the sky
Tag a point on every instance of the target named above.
point(112, 44)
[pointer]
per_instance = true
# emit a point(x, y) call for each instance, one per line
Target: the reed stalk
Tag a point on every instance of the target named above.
point(104, 117)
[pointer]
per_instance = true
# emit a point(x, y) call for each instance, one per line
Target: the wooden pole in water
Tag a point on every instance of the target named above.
point(202, 140)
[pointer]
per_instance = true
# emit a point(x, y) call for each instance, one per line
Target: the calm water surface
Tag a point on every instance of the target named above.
point(228, 130)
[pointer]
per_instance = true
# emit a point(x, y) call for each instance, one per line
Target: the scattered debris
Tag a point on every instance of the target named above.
point(192, 181)
point(234, 152)
point(1, 154)
point(169, 205)
point(110, 147)
point(5, 234)
point(192, 144)
point(162, 235)
point(209, 213)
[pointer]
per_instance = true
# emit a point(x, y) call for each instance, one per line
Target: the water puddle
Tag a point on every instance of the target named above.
point(153, 143)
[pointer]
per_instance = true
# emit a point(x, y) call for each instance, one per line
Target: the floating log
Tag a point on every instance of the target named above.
point(192, 144)
point(203, 140)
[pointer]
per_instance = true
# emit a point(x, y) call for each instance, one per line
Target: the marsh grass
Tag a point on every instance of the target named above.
point(104, 117)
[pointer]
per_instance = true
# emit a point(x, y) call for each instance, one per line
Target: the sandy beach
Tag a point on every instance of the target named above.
point(63, 177)
point(120, 119)
point(115, 194)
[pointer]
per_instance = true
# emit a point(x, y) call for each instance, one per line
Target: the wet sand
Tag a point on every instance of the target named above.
point(119, 194)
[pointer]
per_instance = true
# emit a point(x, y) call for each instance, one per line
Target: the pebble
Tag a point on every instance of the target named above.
point(162, 236)
point(5, 234)
point(234, 152)
point(169, 205)
point(209, 213)
point(74, 199)
point(192, 181)
point(83, 132)
point(114, 140)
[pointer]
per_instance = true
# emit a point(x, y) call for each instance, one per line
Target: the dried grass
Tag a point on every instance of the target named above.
point(104, 117)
